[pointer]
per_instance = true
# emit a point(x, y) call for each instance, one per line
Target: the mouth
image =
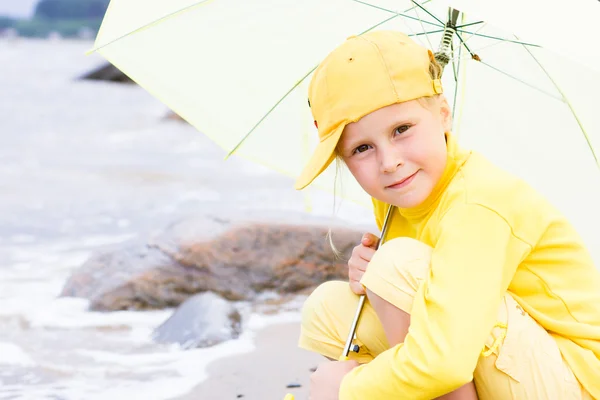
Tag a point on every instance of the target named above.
point(403, 182)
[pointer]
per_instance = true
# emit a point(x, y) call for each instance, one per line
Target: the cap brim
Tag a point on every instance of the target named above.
point(323, 155)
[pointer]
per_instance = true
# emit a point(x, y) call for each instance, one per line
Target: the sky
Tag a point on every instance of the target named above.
point(17, 8)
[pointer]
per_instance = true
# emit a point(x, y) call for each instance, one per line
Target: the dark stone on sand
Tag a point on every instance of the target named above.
point(201, 321)
point(107, 72)
point(240, 263)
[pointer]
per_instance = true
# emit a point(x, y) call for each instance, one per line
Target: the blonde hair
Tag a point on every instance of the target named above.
point(435, 72)
point(338, 163)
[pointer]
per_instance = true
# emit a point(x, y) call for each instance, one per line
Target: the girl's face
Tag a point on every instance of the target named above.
point(398, 153)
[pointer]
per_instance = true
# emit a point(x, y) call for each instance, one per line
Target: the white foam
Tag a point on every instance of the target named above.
point(164, 373)
point(27, 298)
point(11, 354)
point(72, 313)
point(65, 249)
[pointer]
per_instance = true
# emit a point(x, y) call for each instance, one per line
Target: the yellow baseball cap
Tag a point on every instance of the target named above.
point(363, 74)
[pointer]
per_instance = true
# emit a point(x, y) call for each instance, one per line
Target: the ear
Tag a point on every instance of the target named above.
point(445, 113)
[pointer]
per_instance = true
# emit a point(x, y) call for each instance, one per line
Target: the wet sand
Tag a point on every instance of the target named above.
point(263, 374)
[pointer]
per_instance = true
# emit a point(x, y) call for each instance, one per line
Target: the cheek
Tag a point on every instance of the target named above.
point(363, 171)
point(430, 157)
point(439, 159)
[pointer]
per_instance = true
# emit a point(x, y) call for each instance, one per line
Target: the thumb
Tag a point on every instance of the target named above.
point(369, 240)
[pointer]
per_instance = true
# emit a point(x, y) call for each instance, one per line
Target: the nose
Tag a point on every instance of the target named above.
point(390, 160)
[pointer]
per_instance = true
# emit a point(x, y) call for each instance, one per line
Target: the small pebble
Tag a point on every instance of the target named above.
point(293, 385)
point(239, 396)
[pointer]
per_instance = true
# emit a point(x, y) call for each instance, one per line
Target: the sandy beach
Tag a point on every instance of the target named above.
point(262, 374)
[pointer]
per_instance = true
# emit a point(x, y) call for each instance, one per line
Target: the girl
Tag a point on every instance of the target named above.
point(481, 290)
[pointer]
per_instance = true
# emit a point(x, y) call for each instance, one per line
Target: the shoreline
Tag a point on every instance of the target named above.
point(262, 374)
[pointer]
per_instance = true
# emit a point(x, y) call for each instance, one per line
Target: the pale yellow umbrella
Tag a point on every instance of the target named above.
point(230, 67)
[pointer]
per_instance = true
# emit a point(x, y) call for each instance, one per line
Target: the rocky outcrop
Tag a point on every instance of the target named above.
point(238, 264)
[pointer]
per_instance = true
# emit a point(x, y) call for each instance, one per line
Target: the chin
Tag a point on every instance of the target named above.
point(409, 200)
point(407, 204)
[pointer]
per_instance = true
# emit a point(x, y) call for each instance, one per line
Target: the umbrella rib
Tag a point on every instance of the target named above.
point(423, 27)
point(465, 45)
point(397, 13)
point(498, 38)
point(523, 82)
point(456, 71)
point(426, 33)
point(412, 8)
point(486, 46)
point(247, 135)
point(381, 23)
point(483, 25)
point(422, 22)
point(470, 24)
point(164, 17)
point(237, 146)
point(566, 100)
point(458, 67)
point(505, 73)
point(427, 11)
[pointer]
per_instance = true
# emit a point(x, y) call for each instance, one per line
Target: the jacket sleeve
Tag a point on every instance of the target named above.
point(454, 310)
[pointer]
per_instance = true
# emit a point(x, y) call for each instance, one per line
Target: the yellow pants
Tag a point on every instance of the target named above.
point(524, 363)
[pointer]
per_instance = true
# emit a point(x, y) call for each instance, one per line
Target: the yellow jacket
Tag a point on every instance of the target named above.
point(491, 233)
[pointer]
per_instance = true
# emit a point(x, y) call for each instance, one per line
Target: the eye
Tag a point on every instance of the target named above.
point(401, 129)
point(361, 149)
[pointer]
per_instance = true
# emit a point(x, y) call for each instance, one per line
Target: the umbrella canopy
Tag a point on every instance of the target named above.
point(522, 77)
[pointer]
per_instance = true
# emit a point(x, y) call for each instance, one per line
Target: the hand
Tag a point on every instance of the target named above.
point(326, 380)
point(361, 256)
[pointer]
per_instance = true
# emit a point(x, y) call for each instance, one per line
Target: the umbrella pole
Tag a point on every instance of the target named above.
point(361, 301)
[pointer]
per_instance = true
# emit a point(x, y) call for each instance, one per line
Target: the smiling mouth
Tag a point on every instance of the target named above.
point(402, 183)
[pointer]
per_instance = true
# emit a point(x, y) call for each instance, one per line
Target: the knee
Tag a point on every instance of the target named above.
point(322, 302)
point(402, 257)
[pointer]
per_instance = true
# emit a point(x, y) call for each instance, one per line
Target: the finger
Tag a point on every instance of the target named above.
point(365, 253)
point(357, 263)
point(369, 240)
point(357, 288)
point(355, 274)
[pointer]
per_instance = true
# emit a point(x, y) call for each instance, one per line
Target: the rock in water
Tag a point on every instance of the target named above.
point(238, 264)
point(201, 321)
point(133, 277)
point(250, 259)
